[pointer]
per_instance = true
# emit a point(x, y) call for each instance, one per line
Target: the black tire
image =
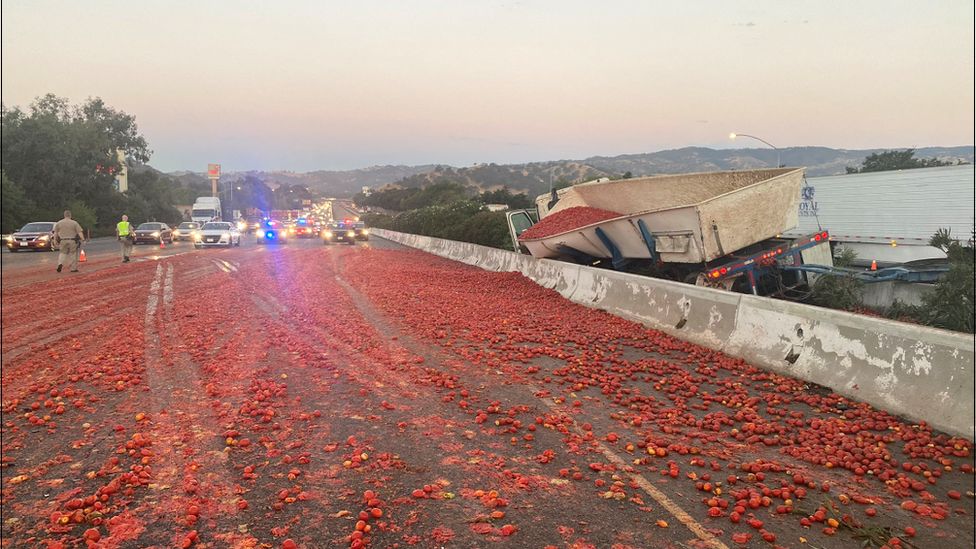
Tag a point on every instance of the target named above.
point(13, 250)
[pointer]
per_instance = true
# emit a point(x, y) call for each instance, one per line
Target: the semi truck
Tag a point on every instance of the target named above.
point(718, 229)
point(206, 208)
point(888, 217)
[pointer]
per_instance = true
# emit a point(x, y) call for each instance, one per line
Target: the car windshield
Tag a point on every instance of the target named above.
point(149, 227)
point(217, 227)
point(37, 228)
point(189, 226)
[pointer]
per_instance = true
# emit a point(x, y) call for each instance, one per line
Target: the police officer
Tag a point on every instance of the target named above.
point(123, 230)
point(68, 234)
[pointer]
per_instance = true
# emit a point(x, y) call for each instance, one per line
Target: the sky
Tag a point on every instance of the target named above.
point(306, 85)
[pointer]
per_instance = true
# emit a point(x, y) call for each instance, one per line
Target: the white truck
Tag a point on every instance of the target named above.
point(206, 208)
point(889, 217)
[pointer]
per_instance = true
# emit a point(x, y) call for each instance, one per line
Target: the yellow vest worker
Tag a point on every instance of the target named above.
point(123, 230)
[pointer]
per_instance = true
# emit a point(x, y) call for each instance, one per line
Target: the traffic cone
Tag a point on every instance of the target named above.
point(874, 265)
point(81, 256)
point(162, 244)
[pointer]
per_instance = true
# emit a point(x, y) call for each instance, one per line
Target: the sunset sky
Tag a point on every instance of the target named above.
point(339, 85)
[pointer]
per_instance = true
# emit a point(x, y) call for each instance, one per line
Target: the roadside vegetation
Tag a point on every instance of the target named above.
point(445, 209)
point(56, 155)
point(949, 304)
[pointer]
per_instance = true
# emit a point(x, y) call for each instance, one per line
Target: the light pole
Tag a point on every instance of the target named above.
point(733, 135)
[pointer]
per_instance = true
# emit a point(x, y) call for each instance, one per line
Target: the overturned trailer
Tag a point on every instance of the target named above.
point(717, 229)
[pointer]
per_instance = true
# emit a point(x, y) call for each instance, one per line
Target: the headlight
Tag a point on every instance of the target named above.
point(9, 238)
point(242, 226)
point(225, 235)
point(43, 237)
point(365, 231)
point(327, 234)
point(155, 234)
point(350, 233)
point(197, 237)
point(176, 232)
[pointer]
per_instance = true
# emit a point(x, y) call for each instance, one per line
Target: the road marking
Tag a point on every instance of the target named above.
point(220, 265)
point(676, 511)
point(168, 287)
point(153, 300)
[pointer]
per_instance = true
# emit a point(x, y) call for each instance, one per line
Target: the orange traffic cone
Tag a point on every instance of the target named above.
point(162, 244)
point(81, 256)
point(874, 265)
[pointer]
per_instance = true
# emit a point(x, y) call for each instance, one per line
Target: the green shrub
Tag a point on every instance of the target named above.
point(464, 221)
point(838, 292)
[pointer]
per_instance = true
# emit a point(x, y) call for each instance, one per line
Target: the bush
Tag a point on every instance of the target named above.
point(464, 221)
point(950, 304)
point(838, 292)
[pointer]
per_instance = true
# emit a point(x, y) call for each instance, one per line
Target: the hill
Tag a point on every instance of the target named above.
point(534, 177)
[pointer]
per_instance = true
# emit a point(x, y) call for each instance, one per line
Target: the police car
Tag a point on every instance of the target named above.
point(339, 231)
point(271, 232)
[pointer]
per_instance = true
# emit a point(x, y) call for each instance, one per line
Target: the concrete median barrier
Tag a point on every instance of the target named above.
point(921, 373)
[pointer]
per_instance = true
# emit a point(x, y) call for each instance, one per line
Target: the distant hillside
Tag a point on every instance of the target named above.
point(817, 160)
point(534, 178)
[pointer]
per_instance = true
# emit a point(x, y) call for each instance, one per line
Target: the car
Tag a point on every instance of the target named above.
point(152, 232)
point(217, 233)
point(272, 232)
point(186, 231)
point(37, 235)
point(303, 229)
point(362, 233)
point(339, 232)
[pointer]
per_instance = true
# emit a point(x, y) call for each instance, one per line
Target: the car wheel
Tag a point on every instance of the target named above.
point(13, 250)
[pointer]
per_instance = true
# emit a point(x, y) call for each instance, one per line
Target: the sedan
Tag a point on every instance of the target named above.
point(153, 232)
point(339, 232)
point(186, 231)
point(32, 236)
point(217, 233)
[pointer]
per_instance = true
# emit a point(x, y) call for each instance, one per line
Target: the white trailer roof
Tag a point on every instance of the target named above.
point(907, 206)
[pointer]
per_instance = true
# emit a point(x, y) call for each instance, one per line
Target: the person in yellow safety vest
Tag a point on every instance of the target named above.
point(123, 230)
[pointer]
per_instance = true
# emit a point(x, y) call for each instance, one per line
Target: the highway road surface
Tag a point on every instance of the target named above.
point(375, 396)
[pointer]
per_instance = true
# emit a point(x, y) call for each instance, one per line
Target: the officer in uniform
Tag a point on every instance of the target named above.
point(123, 230)
point(68, 235)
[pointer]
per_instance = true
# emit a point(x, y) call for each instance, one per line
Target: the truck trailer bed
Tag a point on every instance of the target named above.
point(688, 218)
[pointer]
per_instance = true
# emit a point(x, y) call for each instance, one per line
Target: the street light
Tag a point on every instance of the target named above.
point(733, 135)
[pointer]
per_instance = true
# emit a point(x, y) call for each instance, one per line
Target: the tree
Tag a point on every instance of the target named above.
point(896, 160)
point(951, 302)
point(57, 153)
point(505, 196)
point(15, 205)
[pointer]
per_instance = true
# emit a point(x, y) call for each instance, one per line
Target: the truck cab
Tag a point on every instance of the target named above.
point(206, 209)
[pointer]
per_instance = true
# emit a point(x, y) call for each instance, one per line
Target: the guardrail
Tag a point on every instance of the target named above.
point(925, 374)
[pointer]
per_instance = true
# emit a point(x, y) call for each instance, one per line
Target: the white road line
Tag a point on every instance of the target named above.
point(153, 300)
point(702, 533)
point(168, 287)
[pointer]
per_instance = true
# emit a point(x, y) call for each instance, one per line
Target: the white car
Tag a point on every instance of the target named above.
point(217, 233)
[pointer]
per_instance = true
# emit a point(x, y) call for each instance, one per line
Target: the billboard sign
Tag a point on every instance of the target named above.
point(213, 171)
